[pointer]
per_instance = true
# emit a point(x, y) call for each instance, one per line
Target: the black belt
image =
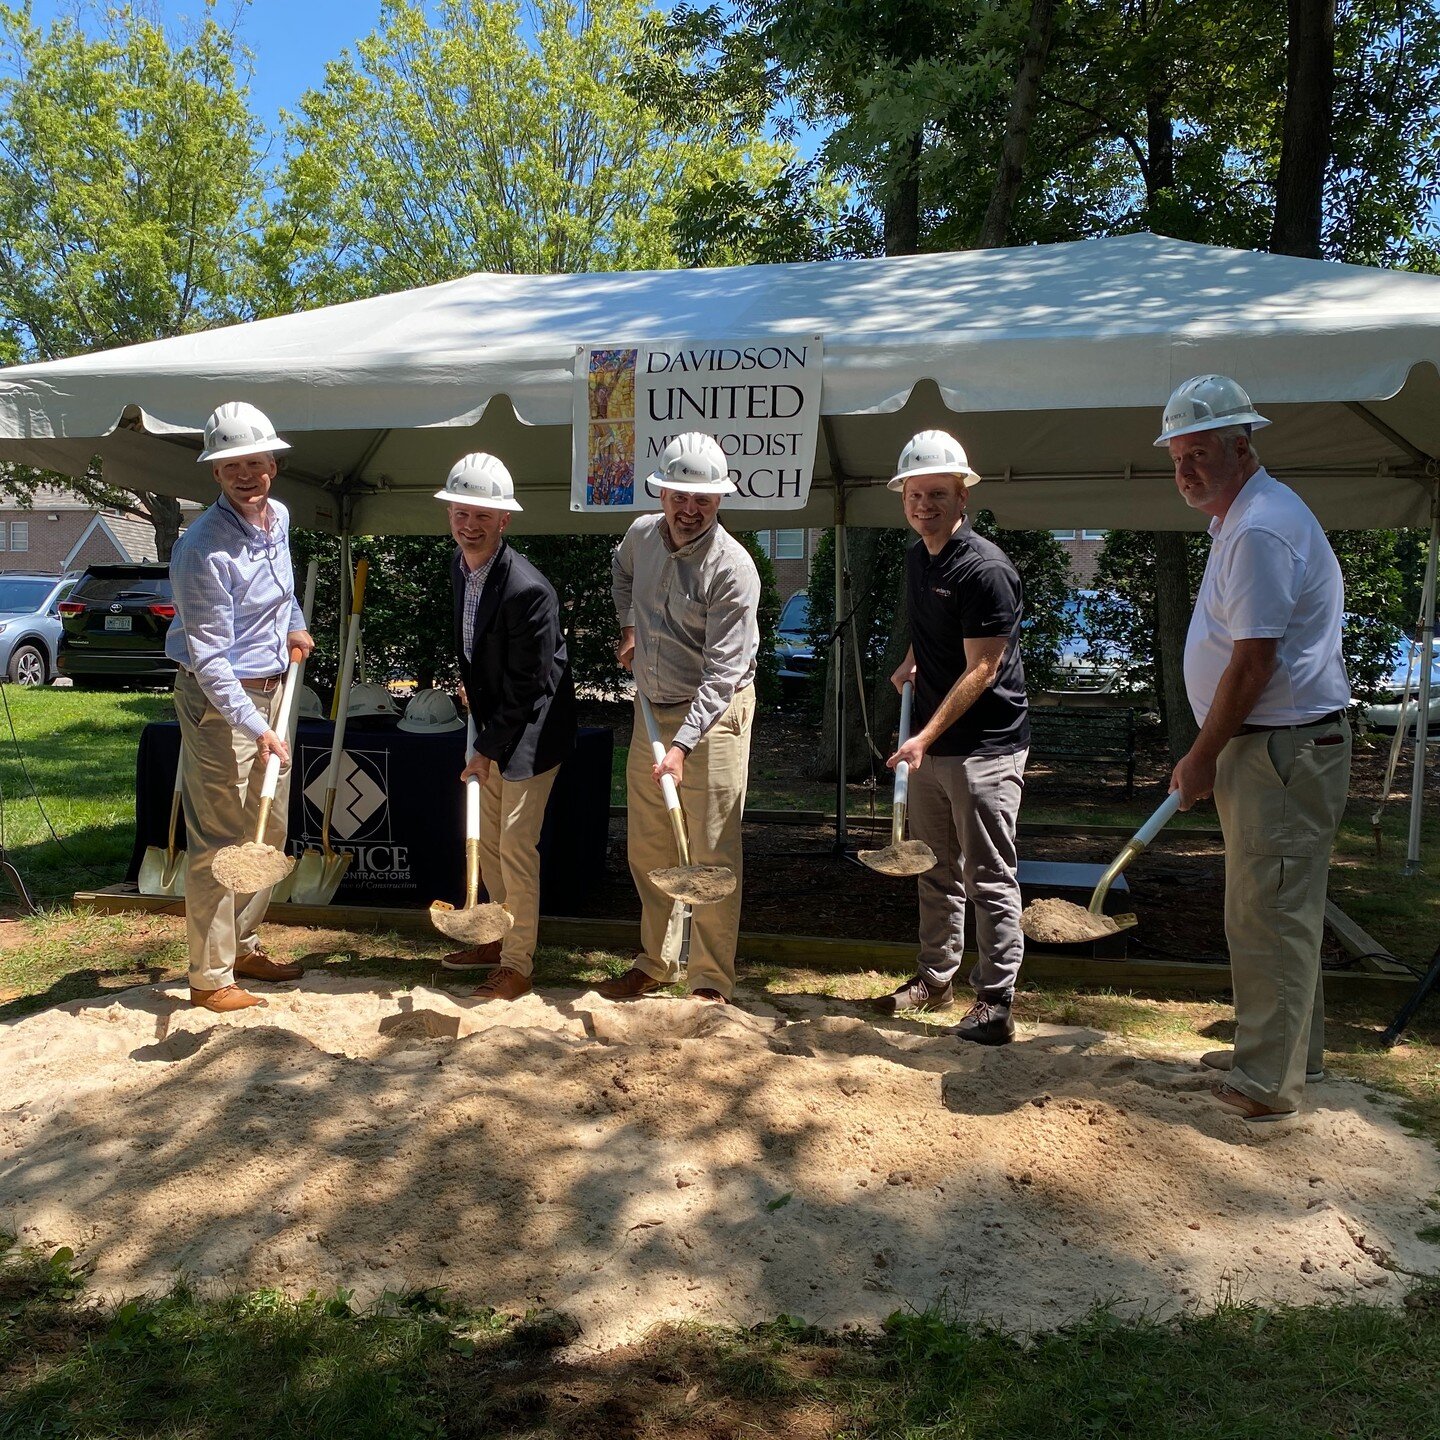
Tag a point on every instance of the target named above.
point(1333, 718)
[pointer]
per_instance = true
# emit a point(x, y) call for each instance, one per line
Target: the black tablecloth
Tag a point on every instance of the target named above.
point(401, 810)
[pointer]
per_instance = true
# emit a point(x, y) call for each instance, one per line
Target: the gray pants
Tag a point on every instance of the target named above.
point(965, 807)
point(1280, 797)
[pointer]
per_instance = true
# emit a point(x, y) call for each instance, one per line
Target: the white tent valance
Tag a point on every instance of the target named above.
point(1051, 362)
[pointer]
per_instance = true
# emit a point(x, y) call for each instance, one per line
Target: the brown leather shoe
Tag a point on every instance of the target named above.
point(1252, 1111)
point(629, 986)
point(714, 997)
point(257, 965)
point(225, 999)
point(504, 984)
point(477, 957)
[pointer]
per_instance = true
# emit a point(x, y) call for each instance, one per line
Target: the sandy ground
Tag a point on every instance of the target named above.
point(669, 1160)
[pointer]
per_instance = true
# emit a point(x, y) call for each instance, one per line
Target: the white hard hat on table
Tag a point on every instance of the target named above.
point(933, 452)
point(696, 464)
point(430, 712)
point(369, 699)
point(1207, 402)
point(239, 429)
point(481, 480)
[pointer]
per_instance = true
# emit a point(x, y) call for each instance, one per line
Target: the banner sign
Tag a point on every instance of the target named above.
point(759, 398)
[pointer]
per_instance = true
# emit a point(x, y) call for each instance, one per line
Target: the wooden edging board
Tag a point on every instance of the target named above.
point(810, 951)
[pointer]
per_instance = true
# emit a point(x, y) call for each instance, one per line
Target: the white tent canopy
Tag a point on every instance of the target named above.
point(1051, 362)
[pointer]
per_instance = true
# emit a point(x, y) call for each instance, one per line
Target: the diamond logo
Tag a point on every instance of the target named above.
point(360, 795)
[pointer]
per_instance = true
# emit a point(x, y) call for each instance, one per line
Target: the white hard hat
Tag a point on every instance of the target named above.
point(239, 429)
point(1207, 402)
point(430, 712)
point(694, 463)
point(482, 480)
point(933, 452)
point(309, 703)
point(366, 699)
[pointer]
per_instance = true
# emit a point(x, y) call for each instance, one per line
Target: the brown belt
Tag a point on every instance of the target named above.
point(1333, 718)
point(265, 685)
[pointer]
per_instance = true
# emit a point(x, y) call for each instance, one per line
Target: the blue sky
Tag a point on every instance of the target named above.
point(291, 39)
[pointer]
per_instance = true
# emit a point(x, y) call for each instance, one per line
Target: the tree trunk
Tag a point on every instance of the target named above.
point(902, 197)
point(1306, 134)
point(164, 512)
point(1173, 605)
point(1024, 103)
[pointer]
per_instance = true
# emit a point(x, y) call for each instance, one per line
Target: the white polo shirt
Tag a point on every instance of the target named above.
point(1271, 575)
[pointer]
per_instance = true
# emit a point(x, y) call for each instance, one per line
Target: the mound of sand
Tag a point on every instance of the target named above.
point(672, 1160)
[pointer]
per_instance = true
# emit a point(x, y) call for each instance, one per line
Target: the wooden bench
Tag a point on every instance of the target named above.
point(1061, 733)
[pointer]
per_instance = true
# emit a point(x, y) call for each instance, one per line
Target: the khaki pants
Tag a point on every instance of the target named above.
point(220, 795)
point(511, 814)
point(713, 799)
point(1280, 796)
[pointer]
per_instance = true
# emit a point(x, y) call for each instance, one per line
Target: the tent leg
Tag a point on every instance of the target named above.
point(842, 609)
point(1422, 711)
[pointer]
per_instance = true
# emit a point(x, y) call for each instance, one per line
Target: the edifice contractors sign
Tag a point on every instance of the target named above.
point(759, 398)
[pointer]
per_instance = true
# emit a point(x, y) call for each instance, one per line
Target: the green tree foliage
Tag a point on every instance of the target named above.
point(506, 138)
point(130, 176)
point(1374, 563)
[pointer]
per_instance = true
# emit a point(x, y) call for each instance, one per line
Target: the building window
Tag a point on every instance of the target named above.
point(1093, 534)
point(789, 544)
point(1063, 534)
point(763, 542)
point(19, 534)
point(2, 534)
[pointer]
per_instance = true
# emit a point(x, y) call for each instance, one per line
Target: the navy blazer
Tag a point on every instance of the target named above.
point(517, 674)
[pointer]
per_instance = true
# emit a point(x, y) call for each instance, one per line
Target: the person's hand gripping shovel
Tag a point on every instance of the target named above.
point(901, 856)
point(474, 924)
point(685, 884)
point(253, 865)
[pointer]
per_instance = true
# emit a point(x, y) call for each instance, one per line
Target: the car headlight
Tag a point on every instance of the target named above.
point(4, 626)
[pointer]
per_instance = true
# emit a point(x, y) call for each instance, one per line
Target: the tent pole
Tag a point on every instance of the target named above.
point(842, 609)
point(1422, 712)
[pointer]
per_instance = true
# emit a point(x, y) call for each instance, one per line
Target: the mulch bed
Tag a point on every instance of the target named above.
point(796, 883)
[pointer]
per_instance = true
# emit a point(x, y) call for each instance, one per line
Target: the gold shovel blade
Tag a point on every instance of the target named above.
point(162, 873)
point(474, 925)
point(250, 867)
point(318, 876)
point(695, 884)
point(909, 857)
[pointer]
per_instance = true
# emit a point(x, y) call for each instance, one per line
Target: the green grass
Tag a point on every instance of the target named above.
point(70, 764)
point(416, 1367)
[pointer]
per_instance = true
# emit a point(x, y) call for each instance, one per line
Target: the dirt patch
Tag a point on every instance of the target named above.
point(1059, 922)
point(669, 1160)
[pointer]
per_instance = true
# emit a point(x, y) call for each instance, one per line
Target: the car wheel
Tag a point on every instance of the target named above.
point(27, 666)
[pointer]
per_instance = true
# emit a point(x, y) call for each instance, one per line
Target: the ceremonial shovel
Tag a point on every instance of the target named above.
point(685, 884)
point(1038, 918)
point(476, 924)
point(254, 865)
point(281, 890)
point(318, 873)
point(901, 856)
point(162, 872)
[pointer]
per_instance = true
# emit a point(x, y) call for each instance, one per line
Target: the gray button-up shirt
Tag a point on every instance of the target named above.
point(234, 605)
point(695, 616)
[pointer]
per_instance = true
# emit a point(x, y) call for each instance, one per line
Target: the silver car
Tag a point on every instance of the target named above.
point(30, 625)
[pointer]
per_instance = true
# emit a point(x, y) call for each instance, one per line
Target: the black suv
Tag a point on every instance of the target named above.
point(116, 619)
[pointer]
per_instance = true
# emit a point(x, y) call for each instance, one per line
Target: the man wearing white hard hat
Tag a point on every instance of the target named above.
point(687, 596)
point(236, 620)
point(1266, 681)
point(515, 669)
point(970, 742)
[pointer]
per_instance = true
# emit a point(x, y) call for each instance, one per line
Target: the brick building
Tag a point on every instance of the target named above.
point(790, 552)
point(1082, 548)
point(58, 531)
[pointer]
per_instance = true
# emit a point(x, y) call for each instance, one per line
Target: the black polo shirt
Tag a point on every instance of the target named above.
point(969, 590)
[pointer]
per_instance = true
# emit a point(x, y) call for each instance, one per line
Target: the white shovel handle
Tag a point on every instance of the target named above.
point(1157, 822)
point(902, 770)
point(657, 749)
point(472, 809)
point(282, 721)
